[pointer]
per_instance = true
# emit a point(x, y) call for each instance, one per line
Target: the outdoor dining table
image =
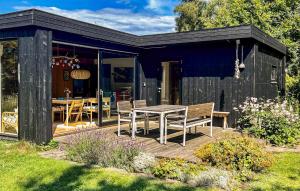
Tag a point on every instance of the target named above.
point(161, 110)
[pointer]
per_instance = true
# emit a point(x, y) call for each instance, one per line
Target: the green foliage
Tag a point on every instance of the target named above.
point(242, 154)
point(278, 18)
point(144, 162)
point(293, 89)
point(51, 145)
point(276, 129)
point(175, 168)
point(270, 120)
point(99, 149)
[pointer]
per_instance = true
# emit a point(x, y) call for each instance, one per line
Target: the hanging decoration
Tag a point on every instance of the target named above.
point(65, 61)
point(242, 65)
point(237, 61)
point(80, 74)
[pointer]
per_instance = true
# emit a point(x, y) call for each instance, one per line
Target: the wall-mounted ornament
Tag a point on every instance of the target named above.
point(80, 74)
point(237, 61)
point(242, 65)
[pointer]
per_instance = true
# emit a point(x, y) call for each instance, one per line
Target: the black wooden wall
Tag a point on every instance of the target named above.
point(208, 70)
point(35, 55)
point(265, 59)
point(35, 52)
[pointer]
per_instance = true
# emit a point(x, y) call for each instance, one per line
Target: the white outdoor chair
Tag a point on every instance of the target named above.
point(124, 109)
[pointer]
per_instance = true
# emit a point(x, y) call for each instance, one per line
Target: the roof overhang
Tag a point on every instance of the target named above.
point(51, 21)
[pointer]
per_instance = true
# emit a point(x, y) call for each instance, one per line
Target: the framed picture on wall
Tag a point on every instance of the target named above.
point(66, 75)
point(123, 74)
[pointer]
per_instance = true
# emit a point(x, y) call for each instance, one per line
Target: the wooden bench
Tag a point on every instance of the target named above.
point(224, 115)
point(195, 115)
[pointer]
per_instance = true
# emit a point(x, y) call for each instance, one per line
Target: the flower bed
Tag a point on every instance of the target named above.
point(272, 120)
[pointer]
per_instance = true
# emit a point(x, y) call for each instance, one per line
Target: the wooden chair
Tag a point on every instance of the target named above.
point(106, 106)
point(9, 122)
point(195, 115)
point(76, 108)
point(60, 110)
point(91, 107)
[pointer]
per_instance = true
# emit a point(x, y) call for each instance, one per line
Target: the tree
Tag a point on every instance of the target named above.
point(278, 18)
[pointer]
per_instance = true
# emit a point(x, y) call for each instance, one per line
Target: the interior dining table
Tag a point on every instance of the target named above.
point(66, 102)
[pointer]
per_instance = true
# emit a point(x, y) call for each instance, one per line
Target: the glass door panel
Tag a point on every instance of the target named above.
point(117, 82)
point(9, 87)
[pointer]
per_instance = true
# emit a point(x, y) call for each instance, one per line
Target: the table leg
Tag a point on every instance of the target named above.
point(67, 110)
point(161, 126)
point(133, 125)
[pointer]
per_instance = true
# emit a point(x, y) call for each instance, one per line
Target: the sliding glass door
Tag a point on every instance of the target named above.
point(116, 83)
point(9, 87)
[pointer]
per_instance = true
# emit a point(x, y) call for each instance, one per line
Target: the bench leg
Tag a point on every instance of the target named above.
point(166, 130)
point(225, 123)
point(119, 125)
point(184, 136)
point(211, 129)
point(195, 129)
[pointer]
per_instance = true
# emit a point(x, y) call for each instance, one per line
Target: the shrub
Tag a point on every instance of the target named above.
point(143, 162)
point(273, 121)
point(98, 148)
point(178, 169)
point(293, 87)
point(214, 178)
point(236, 153)
point(51, 145)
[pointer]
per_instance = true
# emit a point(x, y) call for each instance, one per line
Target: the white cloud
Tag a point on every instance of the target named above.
point(154, 4)
point(119, 19)
point(161, 5)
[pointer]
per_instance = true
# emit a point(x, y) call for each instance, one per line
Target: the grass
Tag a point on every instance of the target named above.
point(22, 168)
point(283, 175)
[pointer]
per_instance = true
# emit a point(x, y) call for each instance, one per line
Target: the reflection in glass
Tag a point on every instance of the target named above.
point(9, 87)
point(117, 82)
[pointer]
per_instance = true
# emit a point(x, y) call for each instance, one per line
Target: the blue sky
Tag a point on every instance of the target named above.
point(134, 16)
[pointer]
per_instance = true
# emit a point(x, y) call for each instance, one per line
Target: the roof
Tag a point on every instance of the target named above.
point(34, 17)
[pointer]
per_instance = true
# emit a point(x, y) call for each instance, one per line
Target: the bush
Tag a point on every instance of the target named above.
point(51, 145)
point(178, 169)
point(98, 148)
point(214, 178)
point(293, 87)
point(236, 153)
point(143, 162)
point(273, 121)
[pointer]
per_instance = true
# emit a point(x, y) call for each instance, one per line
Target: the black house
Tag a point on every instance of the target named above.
point(43, 55)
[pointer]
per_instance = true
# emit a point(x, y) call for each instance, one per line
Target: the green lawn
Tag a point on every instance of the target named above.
point(284, 175)
point(22, 169)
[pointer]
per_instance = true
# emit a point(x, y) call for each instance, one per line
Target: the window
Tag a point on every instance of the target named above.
point(274, 73)
point(9, 87)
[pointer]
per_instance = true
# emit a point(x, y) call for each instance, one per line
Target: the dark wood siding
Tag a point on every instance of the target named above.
point(266, 59)
point(208, 71)
point(35, 87)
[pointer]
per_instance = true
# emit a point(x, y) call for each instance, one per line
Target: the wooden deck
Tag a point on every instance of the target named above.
point(173, 148)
